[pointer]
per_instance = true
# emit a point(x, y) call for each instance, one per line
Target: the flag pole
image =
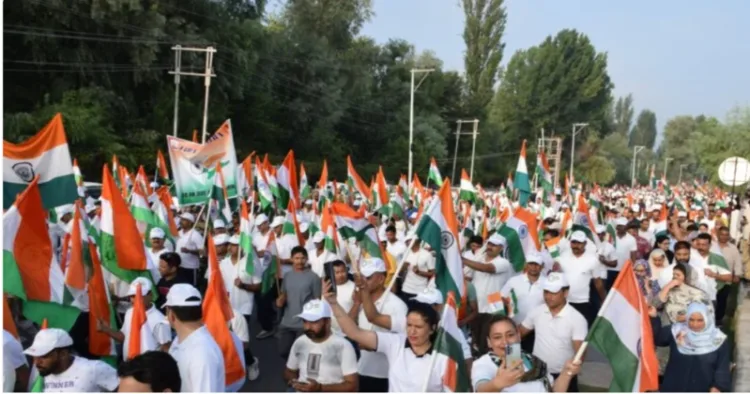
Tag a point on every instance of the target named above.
point(433, 356)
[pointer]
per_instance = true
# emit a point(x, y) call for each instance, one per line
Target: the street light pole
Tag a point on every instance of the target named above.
point(679, 180)
point(636, 149)
point(580, 127)
point(666, 163)
point(411, 116)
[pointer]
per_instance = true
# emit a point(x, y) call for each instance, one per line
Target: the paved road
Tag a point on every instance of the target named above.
point(271, 365)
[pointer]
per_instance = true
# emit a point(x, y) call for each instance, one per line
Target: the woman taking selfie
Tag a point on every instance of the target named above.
point(409, 355)
point(676, 295)
point(507, 368)
point(699, 352)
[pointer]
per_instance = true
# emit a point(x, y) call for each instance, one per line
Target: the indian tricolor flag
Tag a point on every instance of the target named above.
point(622, 333)
point(434, 174)
point(79, 179)
point(219, 200)
point(140, 338)
point(123, 252)
point(438, 227)
point(30, 269)
point(46, 154)
point(139, 208)
point(246, 239)
point(288, 184)
point(466, 190)
point(380, 194)
point(521, 181)
point(543, 173)
point(100, 308)
point(520, 232)
point(455, 376)
point(161, 168)
point(582, 220)
point(356, 181)
point(264, 189)
point(328, 227)
point(304, 186)
point(354, 224)
point(290, 229)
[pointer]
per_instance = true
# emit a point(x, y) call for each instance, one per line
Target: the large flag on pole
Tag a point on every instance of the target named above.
point(434, 174)
point(356, 181)
point(521, 181)
point(45, 154)
point(521, 234)
point(466, 190)
point(455, 376)
point(288, 184)
point(622, 333)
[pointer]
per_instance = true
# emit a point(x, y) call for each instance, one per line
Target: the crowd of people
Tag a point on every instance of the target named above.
point(347, 322)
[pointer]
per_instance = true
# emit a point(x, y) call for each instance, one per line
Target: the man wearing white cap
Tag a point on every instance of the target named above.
point(319, 256)
point(580, 269)
point(198, 357)
point(189, 245)
point(158, 244)
point(266, 312)
point(490, 276)
point(284, 245)
point(219, 227)
point(420, 267)
point(64, 372)
point(155, 320)
point(320, 361)
point(626, 248)
point(522, 293)
point(559, 328)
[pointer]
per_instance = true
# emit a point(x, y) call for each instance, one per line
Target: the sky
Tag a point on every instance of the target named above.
point(687, 57)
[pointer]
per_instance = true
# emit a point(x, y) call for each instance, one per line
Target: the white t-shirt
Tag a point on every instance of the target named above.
point(484, 370)
point(374, 364)
point(155, 320)
point(344, 298)
point(623, 247)
point(607, 250)
point(413, 283)
point(238, 325)
point(406, 372)
point(326, 362)
point(242, 301)
point(487, 283)
point(156, 255)
point(317, 262)
point(83, 376)
point(200, 361)
point(13, 358)
point(699, 264)
point(579, 271)
point(554, 336)
point(648, 236)
point(192, 240)
point(528, 295)
point(396, 249)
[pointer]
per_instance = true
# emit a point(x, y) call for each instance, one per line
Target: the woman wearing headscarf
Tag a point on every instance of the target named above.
point(699, 352)
point(643, 276)
point(491, 372)
point(663, 243)
point(657, 263)
point(675, 296)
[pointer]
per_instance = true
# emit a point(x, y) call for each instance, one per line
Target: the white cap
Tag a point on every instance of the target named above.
point(621, 221)
point(277, 221)
point(145, 286)
point(303, 227)
point(48, 340)
point(555, 226)
point(188, 216)
point(681, 214)
point(218, 223)
point(578, 236)
point(413, 215)
point(655, 207)
point(318, 237)
point(635, 207)
point(154, 185)
point(600, 228)
point(555, 282)
point(371, 266)
point(356, 203)
point(156, 232)
point(234, 239)
point(430, 295)
point(260, 219)
point(64, 210)
point(221, 239)
point(497, 239)
point(534, 257)
point(180, 293)
point(315, 310)
point(308, 202)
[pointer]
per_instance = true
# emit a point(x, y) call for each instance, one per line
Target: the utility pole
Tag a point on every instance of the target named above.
point(411, 115)
point(459, 123)
point(636, 149)
point(580, 127)
point(473, 148)
point(551, 147)
point(666, 163)
point(207, 75)
point(679, 180)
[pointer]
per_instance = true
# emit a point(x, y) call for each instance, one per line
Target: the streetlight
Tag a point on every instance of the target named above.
point(679, 180)
point(411, 116)
point(666, 162)
point(580, 127)
point(636, 149)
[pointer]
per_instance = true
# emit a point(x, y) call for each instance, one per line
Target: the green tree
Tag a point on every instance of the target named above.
point(623, 115)
point(483, 34)
point(644, 131)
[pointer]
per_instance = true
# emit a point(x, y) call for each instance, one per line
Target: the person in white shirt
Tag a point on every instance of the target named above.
point(396, 248)
point(198, 357)
point(64, 372)
point(522, 293)
point(284, 245)
point(155, 320)
point(320, 360)
point(646, 233)
point(16, 376)
point(219, 227)
point(419, 270)
point(625, 249)
point(319, 256)
point(580, 269)
point(491, 373)
point(189, 246)
point(266, 302)
point(344, 294)
point(158, 243)
point(715, 277)
point(150, 372)
point(490, 276)
point(560, 329)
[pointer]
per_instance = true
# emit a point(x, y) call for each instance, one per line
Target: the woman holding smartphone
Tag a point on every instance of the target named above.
point(507, 368)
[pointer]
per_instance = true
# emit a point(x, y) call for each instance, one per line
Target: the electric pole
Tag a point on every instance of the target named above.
point(636, 150)
point(474, 134)
point(207, 75)
point(580, 127)
point(413, 89)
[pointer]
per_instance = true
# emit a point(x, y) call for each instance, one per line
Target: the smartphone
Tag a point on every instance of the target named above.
point(330, 275)
point(513, 354)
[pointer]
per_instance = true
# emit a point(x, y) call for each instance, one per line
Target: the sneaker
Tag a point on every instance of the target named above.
point(264, 334)
point(253, 371)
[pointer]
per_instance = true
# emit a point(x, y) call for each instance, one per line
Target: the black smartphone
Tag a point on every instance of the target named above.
point(330, 275)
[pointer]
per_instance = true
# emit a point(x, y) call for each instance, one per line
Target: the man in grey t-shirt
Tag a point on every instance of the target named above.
point(299, 286)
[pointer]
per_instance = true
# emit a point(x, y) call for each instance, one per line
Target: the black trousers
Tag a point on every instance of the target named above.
point(527, 343)
point(611, 278)
point(573, 386)
point(721, 303)
point(249, 358)
point(369, 384)
point(406, 297)
point(266, 304)
point(585, 309)
point(286, 337)
point(191, 274)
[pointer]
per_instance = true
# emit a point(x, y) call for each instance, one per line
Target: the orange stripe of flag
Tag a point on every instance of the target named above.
point(50, 136)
